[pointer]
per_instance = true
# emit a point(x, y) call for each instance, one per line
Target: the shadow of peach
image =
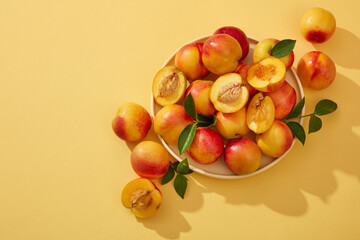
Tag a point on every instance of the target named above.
point(283, 187)
point(343, 48)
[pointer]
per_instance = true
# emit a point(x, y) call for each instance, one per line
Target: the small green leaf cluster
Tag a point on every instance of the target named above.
point(180, 182)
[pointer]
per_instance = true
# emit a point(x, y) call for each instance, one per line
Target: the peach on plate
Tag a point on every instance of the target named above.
point(132, 122)
point(316, 70)
point(206, 147)
point(275, 141)
point(239, 35)
point(243, 69)
point(221, 53)
point(317, 25)
point(170, 121)
point(189, 60)
point(142, 197)
point(242, 156)
point(150, 159)
point(200, 91)
point(284, 100)
point(264, 48)
point(232, 125)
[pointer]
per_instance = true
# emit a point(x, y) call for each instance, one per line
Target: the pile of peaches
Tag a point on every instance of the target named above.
point(243, 99)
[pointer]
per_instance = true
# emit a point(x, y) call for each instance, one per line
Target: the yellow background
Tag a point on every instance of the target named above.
point(65, 68)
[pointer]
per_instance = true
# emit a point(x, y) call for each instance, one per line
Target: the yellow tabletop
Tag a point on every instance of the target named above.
point(65, 68)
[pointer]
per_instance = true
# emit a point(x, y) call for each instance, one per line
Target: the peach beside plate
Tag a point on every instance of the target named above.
point(219, 168)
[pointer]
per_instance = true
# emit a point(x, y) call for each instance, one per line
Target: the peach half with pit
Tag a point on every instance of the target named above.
point(317, 25)
point(242, 156)
point(229, 93)
point(170, 121)
point(267, 75)
point(263, 49)
point(260, 113)
point(239, 35)
point(284, 100)
point(132, 122)
point(221, 54)
point(200, 91)
point(243, 69)
point(189, 60)
point(316, 70)
point(169, 85)
point(206, 147)
point(142, 197)
point(275, 141)
point(232, 125)
point(150, 159)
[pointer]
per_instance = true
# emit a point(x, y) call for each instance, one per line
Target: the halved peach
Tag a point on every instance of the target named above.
point(169, 85)
point(229, 93)
point(267, 75)
point(142, 197)
point(260, 113)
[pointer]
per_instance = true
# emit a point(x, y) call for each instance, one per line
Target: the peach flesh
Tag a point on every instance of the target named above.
point(243, 69)
point(150, 159)
point(132, 122)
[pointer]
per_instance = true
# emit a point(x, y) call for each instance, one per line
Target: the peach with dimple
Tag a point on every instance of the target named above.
point(284, 100)
point(232, 125)
point(200, 91)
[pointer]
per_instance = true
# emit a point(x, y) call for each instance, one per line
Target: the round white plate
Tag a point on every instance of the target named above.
point(219, 168)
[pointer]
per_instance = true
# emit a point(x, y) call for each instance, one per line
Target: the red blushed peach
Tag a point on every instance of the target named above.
point(284, 100)
point(232, 125)
point(316, 70)
point(150, 159)
point(206, 147)
point(189, 60)
point(132, 122)
point(221, 53)
point(317, 25)
point(243, 69)
point(170, 121)
point(275, 141)
point(239, 35)
point(263, 50)
point(242, 156)
point(200, 91)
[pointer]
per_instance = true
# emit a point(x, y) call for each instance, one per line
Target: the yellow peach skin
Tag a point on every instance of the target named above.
point(132, 122)
point(317, 25)
point(284, 100)
point(200, 91)
point(150, 159)
point(276, 141)
point(316, 70)
point(232, 125)
point(221, 53)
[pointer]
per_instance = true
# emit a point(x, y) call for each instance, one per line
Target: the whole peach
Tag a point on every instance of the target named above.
point(275, 141)
point(316, 70)
point(221, 53)
point(317, 25)
point(242, 156)
point(200, 91)
point(132, 122)
point(239, 35)
point(242, 69)
point(150, 159)
point(232, 125)
point(284, 100)
point(170, 121)
point(206, 147)
point(189, 60)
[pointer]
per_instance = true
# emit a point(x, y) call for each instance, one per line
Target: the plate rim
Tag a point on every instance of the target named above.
point(235, 176)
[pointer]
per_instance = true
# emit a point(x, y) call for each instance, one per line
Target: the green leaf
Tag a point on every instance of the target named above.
point(297, 130)
point(324, 107)
point(183, 167)
point(188, 172)
point(168, 175)
point(314, 124)
point(283, 48)
point(186, 137)
point(206, 121)
point(175, 164)
point(297, 109)
point(180, 185)
point(189, 105)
